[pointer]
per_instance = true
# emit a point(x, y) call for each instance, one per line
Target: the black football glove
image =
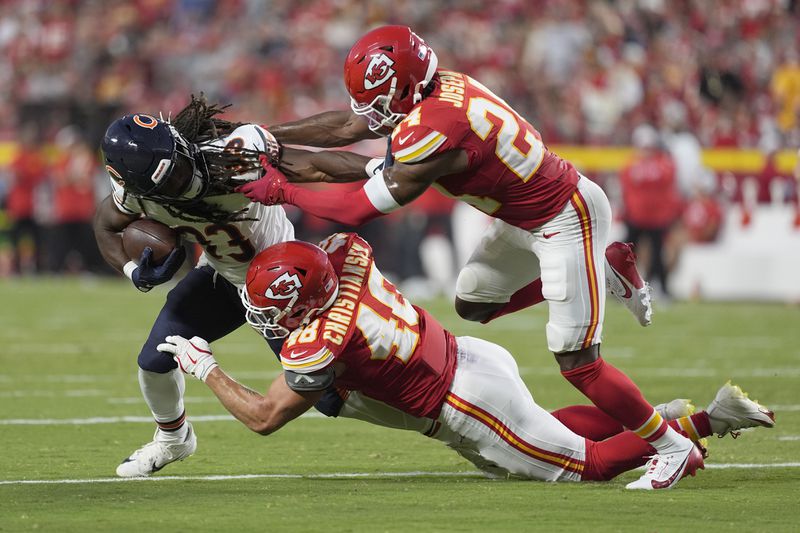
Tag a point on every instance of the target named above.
point(146, 275)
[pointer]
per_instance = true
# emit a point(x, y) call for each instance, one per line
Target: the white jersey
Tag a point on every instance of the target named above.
point(227, 247)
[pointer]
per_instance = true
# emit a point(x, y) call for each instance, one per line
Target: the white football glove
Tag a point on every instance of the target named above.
point(193, 356)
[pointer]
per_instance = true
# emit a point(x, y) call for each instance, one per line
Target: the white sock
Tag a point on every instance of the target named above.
point(670, 440)
point(164, 395)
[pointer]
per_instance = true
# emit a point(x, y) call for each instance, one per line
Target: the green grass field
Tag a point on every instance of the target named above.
point(70, 410)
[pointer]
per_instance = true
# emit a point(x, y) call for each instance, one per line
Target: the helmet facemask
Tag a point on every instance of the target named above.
point(188, 158)
point(378, 113)
point(267, 320)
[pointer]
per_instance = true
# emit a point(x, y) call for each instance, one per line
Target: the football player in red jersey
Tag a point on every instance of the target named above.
point(347, 326)
point(550, 234)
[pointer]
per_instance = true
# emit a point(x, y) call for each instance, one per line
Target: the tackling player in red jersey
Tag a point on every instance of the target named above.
point(348, 326)
point(548, 240)
point(370, 329)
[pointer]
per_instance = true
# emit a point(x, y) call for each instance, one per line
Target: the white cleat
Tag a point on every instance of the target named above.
point(625, 284)
point(664, 470)
point(155, 455)
point(677, 408)
point(732, 410)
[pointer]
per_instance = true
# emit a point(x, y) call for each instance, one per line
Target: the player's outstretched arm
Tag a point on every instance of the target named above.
point(108, 223)
point(384, 192)
point(326, 130)
point(336, 166)
point(263, 414)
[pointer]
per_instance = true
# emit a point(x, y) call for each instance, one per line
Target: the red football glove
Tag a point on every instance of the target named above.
point(269, 190)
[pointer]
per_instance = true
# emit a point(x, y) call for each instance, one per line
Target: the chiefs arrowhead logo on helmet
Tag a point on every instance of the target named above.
point(284, 287)
point(378, 71)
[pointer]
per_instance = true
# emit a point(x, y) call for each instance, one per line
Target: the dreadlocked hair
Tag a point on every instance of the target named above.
point(198, 124)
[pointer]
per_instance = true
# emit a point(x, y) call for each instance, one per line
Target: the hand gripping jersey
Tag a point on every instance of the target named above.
point(392, 351)
point(512, 175)
point(227, 247)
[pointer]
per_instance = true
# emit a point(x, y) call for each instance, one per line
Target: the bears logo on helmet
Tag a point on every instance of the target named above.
point(145, 121)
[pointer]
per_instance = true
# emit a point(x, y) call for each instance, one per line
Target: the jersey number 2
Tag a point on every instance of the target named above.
point(512, 131)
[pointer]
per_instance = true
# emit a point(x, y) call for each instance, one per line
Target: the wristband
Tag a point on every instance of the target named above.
point(128, 269)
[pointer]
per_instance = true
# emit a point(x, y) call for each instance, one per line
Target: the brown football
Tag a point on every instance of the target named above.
point(149, 233)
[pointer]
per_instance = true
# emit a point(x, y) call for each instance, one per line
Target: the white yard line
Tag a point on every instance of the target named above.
point(119, 420)
point(335, 475)
point(138, 400)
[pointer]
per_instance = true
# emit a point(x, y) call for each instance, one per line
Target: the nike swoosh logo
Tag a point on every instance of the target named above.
point(628, 292)
point(668, 482)
point(548, 235)
point(297, 354)
point(402, 140)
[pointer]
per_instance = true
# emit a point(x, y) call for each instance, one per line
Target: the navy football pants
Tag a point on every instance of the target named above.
point(198, 305)
point(207, 306)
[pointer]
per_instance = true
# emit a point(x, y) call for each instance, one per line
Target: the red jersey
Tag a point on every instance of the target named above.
point(511, 176)
point(392, 351)
point(650, 192)
point(29, 169)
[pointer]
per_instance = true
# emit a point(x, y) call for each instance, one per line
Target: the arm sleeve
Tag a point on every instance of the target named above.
point(349, 207)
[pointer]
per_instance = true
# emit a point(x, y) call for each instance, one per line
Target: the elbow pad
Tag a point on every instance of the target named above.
point(314, 381)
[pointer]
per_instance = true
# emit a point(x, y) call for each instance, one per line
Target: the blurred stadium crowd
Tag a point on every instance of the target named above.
point(671, 77)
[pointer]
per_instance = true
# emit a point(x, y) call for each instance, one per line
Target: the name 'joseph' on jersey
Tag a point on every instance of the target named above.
point(511, 176)
point(227, 247)
point(392, 351)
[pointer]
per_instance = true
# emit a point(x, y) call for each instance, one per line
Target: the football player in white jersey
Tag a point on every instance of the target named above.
point(182, 173)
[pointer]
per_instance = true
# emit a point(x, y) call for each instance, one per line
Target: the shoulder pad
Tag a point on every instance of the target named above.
point(306, 358)
point(416, 143)
point(315, 381)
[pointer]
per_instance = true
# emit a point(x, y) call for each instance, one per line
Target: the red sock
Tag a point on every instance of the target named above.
point(588, 421)
point(530, 294)
point(613, 392)
point(695, 426)
point(607, 459)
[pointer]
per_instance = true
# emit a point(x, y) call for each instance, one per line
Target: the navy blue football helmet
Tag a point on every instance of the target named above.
point(150, 159)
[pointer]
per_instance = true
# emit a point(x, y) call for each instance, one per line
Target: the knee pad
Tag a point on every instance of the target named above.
point(562, 339)
point(474, 284)
point(554, 278)
point(467, 282)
